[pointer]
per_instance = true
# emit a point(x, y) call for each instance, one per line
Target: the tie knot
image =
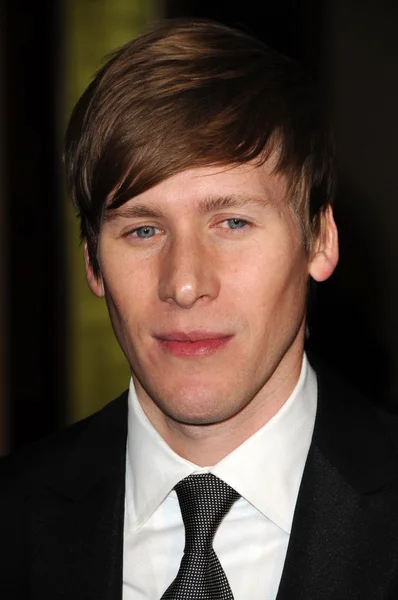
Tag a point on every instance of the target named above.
point(204, 501)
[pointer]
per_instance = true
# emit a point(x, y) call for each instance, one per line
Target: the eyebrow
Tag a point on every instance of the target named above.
point(133, 211)
point(214, 203)
point(206, 205)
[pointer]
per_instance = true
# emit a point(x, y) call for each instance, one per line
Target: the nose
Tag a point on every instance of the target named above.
point(188, 272)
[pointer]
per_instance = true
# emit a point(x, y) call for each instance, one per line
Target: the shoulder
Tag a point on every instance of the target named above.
point(20, 471)
point(44, 478)
point(337, 394)
point(357, 435)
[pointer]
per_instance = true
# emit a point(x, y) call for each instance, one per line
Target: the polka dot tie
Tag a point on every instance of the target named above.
point(204, 501)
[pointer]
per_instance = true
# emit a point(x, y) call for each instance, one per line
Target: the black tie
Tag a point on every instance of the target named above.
point(204, 501)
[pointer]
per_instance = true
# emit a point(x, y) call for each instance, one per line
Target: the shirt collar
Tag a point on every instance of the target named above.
point(266, 469)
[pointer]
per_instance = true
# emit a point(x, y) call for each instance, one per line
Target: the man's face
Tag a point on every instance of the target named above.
point(205, 277)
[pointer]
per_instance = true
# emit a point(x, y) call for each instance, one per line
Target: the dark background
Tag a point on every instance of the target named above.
point(350, 46)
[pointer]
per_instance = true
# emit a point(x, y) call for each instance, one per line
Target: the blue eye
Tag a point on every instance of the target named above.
point(145, 232)
point(236, 223)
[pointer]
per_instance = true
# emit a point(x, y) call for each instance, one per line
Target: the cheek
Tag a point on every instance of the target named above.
point(122, 301)
point(269, 276)
point(125, 321)
point(126, 282)
point(274, 294)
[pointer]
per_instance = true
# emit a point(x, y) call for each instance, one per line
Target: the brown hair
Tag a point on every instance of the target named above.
point(189, 94)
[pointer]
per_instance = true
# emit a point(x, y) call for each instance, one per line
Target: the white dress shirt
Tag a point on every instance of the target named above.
point(252, 540)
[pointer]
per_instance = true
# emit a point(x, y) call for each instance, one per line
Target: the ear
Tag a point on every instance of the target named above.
point(325, 252)
point(95, 282)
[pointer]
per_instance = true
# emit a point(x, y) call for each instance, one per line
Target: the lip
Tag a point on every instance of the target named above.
point(193, 343)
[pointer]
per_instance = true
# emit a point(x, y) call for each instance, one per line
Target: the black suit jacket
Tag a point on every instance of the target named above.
point(62, 509)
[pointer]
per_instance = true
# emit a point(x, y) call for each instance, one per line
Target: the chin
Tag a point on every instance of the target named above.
point(191, 401)
point(200, 408)
point(200, 419)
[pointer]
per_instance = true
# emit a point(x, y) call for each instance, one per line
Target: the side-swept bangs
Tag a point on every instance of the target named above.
point(191, 94)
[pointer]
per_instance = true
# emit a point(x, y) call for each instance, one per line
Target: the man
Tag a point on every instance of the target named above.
point(201, 168)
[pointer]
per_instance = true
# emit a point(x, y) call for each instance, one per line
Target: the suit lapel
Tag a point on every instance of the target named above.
point(77, 524)
point(346, 505)
point(343, 539)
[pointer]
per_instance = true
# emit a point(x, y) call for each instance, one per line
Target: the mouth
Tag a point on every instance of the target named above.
point(192, 344)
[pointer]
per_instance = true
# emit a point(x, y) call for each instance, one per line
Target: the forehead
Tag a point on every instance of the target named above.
point(200, 185)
